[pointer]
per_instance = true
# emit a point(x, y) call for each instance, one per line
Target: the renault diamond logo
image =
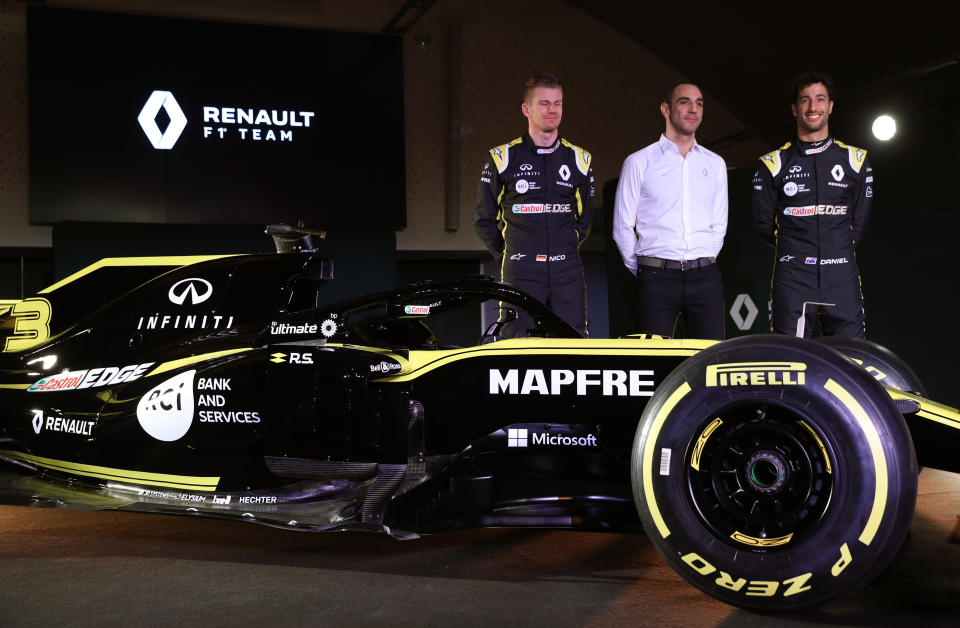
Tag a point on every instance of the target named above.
point(191, 287)
point(148, 120)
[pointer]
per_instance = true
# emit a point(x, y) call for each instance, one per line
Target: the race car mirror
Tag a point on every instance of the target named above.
point(403, 309)
point(298, 239)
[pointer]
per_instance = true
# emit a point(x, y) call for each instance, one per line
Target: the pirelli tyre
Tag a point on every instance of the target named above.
point(774, 474)
point(883, 364)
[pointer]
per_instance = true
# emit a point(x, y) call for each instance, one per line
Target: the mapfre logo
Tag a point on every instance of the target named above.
point(166, 412)
point(199, 290)
point(162, 140)
point(756, 374)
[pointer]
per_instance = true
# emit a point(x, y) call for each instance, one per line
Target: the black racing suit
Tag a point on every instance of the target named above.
point(534, 207)
point(811, 201)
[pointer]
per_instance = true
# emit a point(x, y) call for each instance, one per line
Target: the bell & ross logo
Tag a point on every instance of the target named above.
point(199, 290)
point(148, 120)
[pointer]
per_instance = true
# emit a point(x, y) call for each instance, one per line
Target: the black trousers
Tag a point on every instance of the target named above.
point(793, 286)
point(662, 295)
point(567, 298)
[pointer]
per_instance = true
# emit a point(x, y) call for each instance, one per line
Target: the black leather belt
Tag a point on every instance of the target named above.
point(669, 264)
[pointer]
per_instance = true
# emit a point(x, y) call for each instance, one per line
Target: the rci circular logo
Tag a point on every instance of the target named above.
point(166, 411)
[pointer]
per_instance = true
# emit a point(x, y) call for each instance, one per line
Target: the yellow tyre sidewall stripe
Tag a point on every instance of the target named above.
point(875, 446)
point(649, 451)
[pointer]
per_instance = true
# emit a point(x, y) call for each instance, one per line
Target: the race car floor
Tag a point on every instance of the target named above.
point(70, 568)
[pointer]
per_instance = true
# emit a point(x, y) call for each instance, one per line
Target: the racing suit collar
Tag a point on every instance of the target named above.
point(540, 150)
point(813, 148)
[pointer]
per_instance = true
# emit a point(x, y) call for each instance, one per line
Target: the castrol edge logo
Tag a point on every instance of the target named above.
point(86, 378)
point(757, 374)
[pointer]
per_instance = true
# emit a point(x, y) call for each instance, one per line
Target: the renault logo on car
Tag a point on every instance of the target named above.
point(199, 290)
point(148, 120)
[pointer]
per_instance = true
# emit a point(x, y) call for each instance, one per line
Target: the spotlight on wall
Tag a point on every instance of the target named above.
point(884, 127)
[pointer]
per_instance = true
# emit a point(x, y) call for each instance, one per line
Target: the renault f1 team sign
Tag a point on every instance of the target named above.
point(218, 122)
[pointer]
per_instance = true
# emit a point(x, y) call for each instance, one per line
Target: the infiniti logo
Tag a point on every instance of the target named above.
point(795, 168)
point(199, 290)
point(148, 120)
point(526, 167)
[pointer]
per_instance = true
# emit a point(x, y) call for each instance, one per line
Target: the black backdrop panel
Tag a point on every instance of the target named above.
point(278, 124)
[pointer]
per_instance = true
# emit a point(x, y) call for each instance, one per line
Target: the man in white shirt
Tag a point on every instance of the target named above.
point(669, 222)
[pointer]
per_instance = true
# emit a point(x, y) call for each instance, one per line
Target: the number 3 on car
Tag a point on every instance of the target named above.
point(31, 324)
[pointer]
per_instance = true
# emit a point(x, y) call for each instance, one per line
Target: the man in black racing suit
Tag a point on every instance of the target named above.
point(534, 207)
point(811, 200)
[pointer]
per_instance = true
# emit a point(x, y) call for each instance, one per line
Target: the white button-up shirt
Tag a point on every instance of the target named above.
point(669, 206)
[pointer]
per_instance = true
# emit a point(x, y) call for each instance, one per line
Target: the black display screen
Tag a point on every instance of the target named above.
point(148, 119)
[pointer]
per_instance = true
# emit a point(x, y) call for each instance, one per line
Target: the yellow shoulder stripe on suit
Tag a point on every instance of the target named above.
point(172, 261)
point(772, 160)
point(185, 482)
point(856, 155)
point(584, 159)
point(501, 154)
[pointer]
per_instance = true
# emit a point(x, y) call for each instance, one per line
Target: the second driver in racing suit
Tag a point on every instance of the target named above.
point(811, 200)
point(534, 207)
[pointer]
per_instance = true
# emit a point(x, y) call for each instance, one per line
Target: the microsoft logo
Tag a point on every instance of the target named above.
point(148, 120)
point(517, 437)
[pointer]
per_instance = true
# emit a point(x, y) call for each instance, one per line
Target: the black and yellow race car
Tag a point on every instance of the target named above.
point(773, 473)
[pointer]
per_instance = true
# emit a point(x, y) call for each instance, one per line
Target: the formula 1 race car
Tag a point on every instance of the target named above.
point(773, 473)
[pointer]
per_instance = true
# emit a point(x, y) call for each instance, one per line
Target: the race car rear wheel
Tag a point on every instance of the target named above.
point(774, 474)
point(885, 366)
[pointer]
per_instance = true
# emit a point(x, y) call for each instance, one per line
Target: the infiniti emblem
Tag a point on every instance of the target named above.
point(199, 290)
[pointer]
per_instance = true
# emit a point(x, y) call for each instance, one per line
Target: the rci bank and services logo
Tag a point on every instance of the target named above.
point(148, 120)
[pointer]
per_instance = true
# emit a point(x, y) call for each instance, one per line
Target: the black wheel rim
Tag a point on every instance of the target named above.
point(760, 476)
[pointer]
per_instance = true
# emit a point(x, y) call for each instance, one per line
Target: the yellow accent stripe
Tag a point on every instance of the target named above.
point(421, 362)
point(648, 452)
point(823, 450)
point(187, 482)
point(930, 410)
point(175, 364)
point(173, 261)
point(753, 541)
point(16, 386)
point(876, 450)
point(702, 441)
